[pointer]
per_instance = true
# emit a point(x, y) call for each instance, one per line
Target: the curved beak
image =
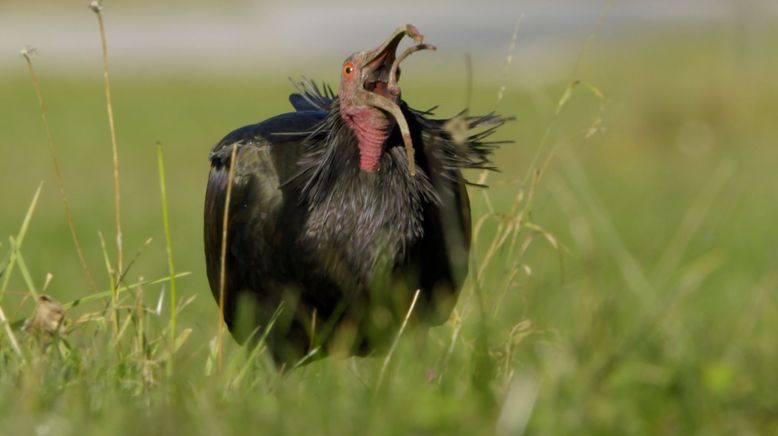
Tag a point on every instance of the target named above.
point(380, 73)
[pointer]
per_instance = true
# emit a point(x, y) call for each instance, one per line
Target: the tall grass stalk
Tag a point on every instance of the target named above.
point(389, 354)
point(506, 65)
point(509, 228)
point(114, 284)
point(97, 8)
point(169, 250)
point(536, 170)
point(223, 258)
point(27, 53)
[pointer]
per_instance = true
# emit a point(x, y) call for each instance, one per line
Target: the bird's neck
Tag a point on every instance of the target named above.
point(371, 127)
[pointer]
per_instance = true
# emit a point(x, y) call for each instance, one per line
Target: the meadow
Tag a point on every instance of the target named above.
point(623, 277)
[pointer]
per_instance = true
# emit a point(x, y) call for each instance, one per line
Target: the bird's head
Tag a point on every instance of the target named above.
point(369, 96)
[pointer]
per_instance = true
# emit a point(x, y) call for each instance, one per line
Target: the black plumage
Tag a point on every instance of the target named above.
point(341, 249)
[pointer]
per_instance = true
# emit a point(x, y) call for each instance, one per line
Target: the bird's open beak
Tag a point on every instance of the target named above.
point(380, 74)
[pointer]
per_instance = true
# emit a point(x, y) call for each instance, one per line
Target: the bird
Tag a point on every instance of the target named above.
point(343, 212)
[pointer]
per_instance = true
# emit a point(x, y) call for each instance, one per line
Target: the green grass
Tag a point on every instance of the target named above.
point(639, 296)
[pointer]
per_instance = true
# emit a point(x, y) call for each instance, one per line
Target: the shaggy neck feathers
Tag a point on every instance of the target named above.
point(359, 215)
point(355, 215)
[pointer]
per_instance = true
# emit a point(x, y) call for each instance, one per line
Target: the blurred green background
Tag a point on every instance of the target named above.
point(649, 306)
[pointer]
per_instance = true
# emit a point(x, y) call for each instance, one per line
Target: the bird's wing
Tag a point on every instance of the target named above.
point(311, 97)
point(266, 155)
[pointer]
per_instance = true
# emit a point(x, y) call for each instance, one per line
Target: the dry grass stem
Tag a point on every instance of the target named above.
point(27, 54)
point(223, 257)
point(10, 333)
point(396, 340)
point(169, 250)
point(96, 7)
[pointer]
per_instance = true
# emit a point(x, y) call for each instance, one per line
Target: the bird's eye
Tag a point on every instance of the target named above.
point(348, 69)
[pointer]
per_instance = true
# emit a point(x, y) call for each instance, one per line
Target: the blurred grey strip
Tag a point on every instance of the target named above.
point(286, 36)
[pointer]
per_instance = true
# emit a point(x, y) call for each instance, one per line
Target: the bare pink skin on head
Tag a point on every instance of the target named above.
point(369, 97)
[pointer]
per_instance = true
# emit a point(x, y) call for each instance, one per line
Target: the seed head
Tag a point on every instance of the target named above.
point(96, 6)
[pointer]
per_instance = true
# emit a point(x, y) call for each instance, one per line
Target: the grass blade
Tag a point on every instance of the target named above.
point(169, 249)
point(10, 333)
point(23, 269)
point(120, 290)
point(396, 340)
point(97, 8)
point(19, 240)
point(223, 257)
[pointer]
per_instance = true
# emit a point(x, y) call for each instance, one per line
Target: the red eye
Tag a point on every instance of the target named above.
point(348, 69)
